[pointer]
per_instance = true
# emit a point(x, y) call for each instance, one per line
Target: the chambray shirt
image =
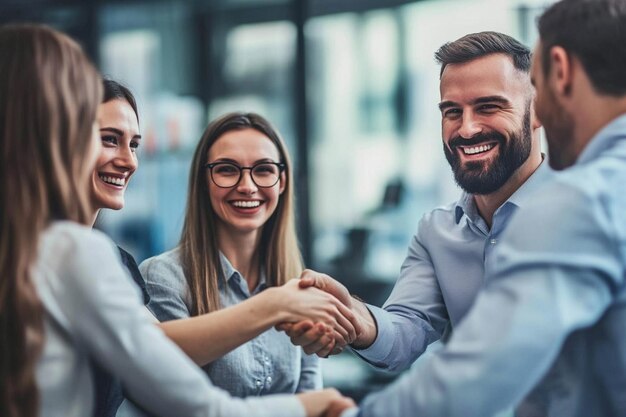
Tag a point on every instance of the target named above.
point(548, 332)
point(441, 276)
point(92, 311)
point(267, 364)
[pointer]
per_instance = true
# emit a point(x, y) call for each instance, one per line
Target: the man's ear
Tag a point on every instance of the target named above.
point(535, 123)
point(560, 71)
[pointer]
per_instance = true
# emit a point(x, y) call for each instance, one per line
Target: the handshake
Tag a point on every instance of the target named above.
point(318, 313)
point(322, 317)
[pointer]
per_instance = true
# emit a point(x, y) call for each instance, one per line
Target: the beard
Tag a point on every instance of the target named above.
point(486, 177)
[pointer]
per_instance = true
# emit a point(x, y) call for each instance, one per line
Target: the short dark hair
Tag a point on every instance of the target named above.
point(476, 45)
point(595, 32)
point(114, 90)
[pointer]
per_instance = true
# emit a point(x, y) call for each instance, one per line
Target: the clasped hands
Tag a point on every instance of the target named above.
point(328, 316)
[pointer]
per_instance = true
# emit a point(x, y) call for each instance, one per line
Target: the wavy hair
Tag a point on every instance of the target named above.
point(198, 243)
point(49, 93)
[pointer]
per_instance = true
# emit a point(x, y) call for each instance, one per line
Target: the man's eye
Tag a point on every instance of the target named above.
point(488, 107)
point(134, 145)
point(452, 112)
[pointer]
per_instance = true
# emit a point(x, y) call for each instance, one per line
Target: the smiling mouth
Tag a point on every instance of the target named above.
point(246, 204)
point(118, 182)
point(477, 150)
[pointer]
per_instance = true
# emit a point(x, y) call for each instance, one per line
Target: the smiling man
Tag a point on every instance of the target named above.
point(546, 334)
point(491, 140)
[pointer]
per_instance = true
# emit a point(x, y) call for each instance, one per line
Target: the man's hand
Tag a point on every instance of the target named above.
point(296, 304)
point(310, 278)
point(315, 337)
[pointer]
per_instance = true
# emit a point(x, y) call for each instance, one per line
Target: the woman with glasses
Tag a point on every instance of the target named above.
point(117, 162)
point(238, 240)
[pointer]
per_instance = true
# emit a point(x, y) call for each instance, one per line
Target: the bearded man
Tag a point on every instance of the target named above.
point(491, 140)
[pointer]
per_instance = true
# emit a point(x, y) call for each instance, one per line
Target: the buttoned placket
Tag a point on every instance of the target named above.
point(500, 220)
point(262, 380)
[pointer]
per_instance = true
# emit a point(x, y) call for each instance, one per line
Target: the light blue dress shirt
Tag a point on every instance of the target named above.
point(548, 332)
point(441, 276)
point(267, 364)
point(92, 311)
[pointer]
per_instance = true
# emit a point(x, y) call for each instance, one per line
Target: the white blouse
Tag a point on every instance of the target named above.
point(92, 310)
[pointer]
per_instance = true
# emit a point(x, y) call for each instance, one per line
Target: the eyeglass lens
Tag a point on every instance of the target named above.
point(228, 175)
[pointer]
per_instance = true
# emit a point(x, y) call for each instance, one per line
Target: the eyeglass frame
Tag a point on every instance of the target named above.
point(281, 168)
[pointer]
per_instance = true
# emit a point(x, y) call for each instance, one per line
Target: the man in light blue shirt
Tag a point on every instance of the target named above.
point(490, 137)
point(547, 333)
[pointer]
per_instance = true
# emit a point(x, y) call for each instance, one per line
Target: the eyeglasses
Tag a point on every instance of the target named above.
point(227, 174)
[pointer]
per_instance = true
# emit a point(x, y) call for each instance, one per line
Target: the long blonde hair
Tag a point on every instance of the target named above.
point(49, 93)
point(198, 243)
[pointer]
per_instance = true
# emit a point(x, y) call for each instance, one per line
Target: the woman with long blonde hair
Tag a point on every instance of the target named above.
point(65, 297)
point(239, 240)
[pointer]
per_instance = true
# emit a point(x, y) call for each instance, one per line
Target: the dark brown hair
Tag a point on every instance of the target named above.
point(476, 45)
point(114, 90)
point(595, 32)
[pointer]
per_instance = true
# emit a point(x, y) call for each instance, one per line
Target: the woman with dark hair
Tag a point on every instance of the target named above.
point(119, 133)
point(238, 245)
point(118, 120)
point(65, 297)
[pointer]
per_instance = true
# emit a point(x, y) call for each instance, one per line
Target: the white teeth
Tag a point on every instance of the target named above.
point(477, 149)
point(113, 180)
point(246, 204)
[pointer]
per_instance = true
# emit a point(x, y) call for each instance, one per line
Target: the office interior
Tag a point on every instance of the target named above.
point(352, 86)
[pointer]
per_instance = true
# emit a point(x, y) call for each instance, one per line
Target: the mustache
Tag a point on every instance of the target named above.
point(476, 140)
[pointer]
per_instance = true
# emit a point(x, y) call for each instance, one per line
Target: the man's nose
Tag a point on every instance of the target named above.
point(470, 126)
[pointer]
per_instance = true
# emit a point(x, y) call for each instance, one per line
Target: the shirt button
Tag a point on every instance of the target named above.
point(493, 241)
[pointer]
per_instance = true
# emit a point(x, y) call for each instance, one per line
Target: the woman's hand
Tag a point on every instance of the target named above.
point(327, 402)
point(311, 304)
point(312, 337)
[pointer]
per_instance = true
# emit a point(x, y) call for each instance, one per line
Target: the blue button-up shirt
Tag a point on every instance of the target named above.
point(265, 365)
point(548, 331)
point(441, 276)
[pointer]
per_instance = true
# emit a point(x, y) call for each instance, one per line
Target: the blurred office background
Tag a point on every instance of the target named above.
point(351, 84)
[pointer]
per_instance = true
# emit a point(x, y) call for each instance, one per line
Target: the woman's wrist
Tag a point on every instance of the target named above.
point(271, 305)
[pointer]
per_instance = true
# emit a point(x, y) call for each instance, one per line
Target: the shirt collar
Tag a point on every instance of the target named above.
point(603, 139)
point(466, 204)
point(541, 175)
point(229, 272)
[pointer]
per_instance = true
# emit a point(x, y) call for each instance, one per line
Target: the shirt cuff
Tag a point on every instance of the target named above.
point(351, 412)
point(378, 351)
